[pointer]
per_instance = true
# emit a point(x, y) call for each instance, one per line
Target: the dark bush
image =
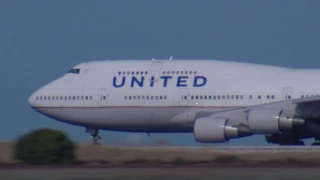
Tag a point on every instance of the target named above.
point(43, 147)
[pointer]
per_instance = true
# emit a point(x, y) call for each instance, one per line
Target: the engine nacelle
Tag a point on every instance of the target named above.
point(271, 121)
point(215, 130)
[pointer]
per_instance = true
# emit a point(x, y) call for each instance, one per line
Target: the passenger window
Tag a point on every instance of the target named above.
point(65, 98)
point(138, 97)
point(132, 73)
point(37, 98)
point(119, 73)
point(151, 97)
point(156, 97)
point(147, 97)
point(186, 72)
point(134, 97)
point(196, 97)
point(137, 72)
point(82, 97)
point(177, 72)
point(268, 97)
point(237, 97)
point(53, 98)
point(74, 98)
point(185, 97)
point(142, 97)
point(172, 72)
point(165, 97)
point(181, 72)
point(190, 72)
point(192, 97)
point(205, 97)
point(49, 97)
point(272, 96)
point(125, 97)
point(250, 97)
point(160, 97)
point(223, 97)
point(228, 97)
point(146, 72)
point(168, 72)
point(163, 72)
point(45, 98)
point(91, 97)
point(209, 97)
point(259, 97)
point(69, 97)
point(78, 97)
point(241, 96)
point(200, 97)
point(232, 96)
point(129, 97)
point(87, 97)
point(141, 72)
point(57, 98)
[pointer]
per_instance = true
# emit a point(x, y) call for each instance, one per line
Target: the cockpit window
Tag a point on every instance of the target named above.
point(74, 71)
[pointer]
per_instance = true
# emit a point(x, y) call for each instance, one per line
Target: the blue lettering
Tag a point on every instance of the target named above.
point(152, 81)
point(134, 79)
point(165, 78)
point(196, 83)
point(115, 81)
point(180, 81)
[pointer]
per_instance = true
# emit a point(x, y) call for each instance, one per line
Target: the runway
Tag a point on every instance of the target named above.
point(184, 173)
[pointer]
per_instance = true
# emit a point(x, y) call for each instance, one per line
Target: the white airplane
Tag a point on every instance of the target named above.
point(215, 100)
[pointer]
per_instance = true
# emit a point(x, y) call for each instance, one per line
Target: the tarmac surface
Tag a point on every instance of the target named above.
point(159, 173)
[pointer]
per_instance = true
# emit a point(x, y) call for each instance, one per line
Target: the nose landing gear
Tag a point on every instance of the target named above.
point(94, 135)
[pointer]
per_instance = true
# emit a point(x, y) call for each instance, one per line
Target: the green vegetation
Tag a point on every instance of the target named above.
point(43, 147)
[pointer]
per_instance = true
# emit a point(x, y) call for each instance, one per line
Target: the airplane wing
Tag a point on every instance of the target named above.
point(308, 107)
point(305, 100)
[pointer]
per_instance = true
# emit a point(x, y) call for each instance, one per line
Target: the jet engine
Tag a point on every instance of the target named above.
point(215, 130)
point(271, 121)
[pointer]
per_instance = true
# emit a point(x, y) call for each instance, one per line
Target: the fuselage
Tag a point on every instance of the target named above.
point(165, 95)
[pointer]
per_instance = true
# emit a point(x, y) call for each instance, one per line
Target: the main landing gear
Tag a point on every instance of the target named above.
point(94, 135)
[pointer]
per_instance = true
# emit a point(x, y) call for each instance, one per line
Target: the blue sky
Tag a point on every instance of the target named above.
point(42, 40)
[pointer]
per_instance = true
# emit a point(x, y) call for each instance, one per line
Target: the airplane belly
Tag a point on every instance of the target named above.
point(130, 119)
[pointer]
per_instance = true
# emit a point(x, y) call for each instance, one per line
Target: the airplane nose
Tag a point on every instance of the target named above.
point(31, 100)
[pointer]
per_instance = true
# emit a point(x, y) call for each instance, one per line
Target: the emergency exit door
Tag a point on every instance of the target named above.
point(183, 96)
point(103, 97)
point(287, 93)
point(155, 71)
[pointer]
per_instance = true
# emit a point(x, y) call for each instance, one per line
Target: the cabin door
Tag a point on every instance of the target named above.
point(183, 96)
point(155, 71)
point(287, 93)
point(103, 97)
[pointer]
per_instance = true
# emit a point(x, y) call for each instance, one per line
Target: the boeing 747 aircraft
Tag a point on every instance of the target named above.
point(215, 100)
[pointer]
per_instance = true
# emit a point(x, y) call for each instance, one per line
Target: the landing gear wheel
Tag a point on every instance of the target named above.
point(292, 143)
point(316, 143)
point(94, 135)
point(95, 139)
